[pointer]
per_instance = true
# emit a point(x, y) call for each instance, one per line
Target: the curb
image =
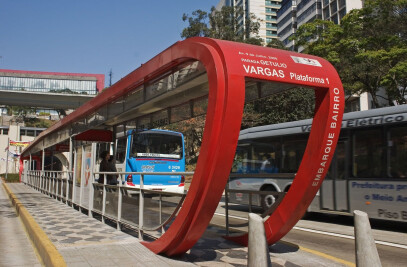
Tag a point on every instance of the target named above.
point(46, 249)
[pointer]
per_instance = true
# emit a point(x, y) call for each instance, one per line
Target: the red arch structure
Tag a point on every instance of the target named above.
point(228, 64)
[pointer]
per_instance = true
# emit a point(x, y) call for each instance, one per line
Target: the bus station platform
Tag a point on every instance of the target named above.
point(75, 239)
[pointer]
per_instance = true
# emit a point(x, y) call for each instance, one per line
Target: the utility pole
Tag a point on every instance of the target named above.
point(110, 77)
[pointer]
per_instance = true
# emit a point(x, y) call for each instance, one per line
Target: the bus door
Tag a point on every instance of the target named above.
point(333, 193)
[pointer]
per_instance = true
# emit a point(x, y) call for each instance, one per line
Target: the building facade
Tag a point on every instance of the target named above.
point(287, 23)
point(264, 10)
point(294, 13)
point(335, 10)
point(13, 139)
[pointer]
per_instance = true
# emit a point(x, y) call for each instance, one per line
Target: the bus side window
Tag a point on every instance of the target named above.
point(240, 164)
point(266, 159)
point(368, 160)
point(292, 152)
point(398, 152)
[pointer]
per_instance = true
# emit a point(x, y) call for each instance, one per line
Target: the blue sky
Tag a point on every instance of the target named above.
point(89, 36)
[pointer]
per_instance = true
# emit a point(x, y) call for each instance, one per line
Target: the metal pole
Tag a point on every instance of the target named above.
point(82, 175)
point(91, 178)
point(55, 180)
point(104, 198)
point(227, 208)
point(59, 174)
point(161, 212)
point(69, 169)
point(75, 169)
point(120, 201)
point(29, 168)
point(8, 150)
point(25, 171)
point(48, 184)
point(141, 208)
point(250, 202)
point(42, 169)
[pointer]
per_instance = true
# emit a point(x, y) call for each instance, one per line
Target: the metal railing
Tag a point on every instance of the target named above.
point(53, 183)
point(278, 196)
point(136, 207)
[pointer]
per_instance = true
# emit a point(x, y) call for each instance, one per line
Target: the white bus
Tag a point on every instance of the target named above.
point(368, 171)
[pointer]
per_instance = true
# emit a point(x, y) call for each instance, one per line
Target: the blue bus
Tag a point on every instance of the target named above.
point(152, 151)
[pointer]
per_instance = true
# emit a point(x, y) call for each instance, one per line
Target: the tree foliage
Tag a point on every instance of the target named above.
point(222, 24)
point(291, 105)
point(38, 123)
point(193, 133)
point(27, 116)
point(368, 48)
point(198, 24)
point(276, 43)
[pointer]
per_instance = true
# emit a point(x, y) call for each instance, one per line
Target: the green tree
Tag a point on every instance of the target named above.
point(38, 123)
point(291, 105)
point(396, 82)
point(368, 48)
point(198, 24)
point(222, 24)
point(276, 43)
point(20, 112)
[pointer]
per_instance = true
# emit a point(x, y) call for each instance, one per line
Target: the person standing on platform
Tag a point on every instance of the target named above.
point(107, 165)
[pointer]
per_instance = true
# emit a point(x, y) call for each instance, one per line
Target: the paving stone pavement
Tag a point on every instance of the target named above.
point(85, 241)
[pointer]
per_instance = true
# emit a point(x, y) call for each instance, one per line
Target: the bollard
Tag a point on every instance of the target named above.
point(258, 252)
point(365, 247)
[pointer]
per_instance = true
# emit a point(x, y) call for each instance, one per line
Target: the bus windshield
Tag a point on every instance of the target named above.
point(156, 144)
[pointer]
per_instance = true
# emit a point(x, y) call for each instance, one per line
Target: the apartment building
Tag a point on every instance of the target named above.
point(294, 13)
point(264, 10)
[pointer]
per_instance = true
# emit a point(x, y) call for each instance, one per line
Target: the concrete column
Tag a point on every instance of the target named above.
point(366, 251)
point(258, 252)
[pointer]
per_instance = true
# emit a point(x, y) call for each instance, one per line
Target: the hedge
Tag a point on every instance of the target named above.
point(11, 177)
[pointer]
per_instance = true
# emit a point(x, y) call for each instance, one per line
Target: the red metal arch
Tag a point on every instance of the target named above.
point(227, 65)
point(220, 136)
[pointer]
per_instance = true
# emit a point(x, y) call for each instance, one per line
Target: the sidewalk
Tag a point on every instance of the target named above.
point(85, 241)
point(13, 238)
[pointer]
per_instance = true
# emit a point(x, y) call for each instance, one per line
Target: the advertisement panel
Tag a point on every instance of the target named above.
point(78, 175)
point(87, 155)
point(381, 200)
